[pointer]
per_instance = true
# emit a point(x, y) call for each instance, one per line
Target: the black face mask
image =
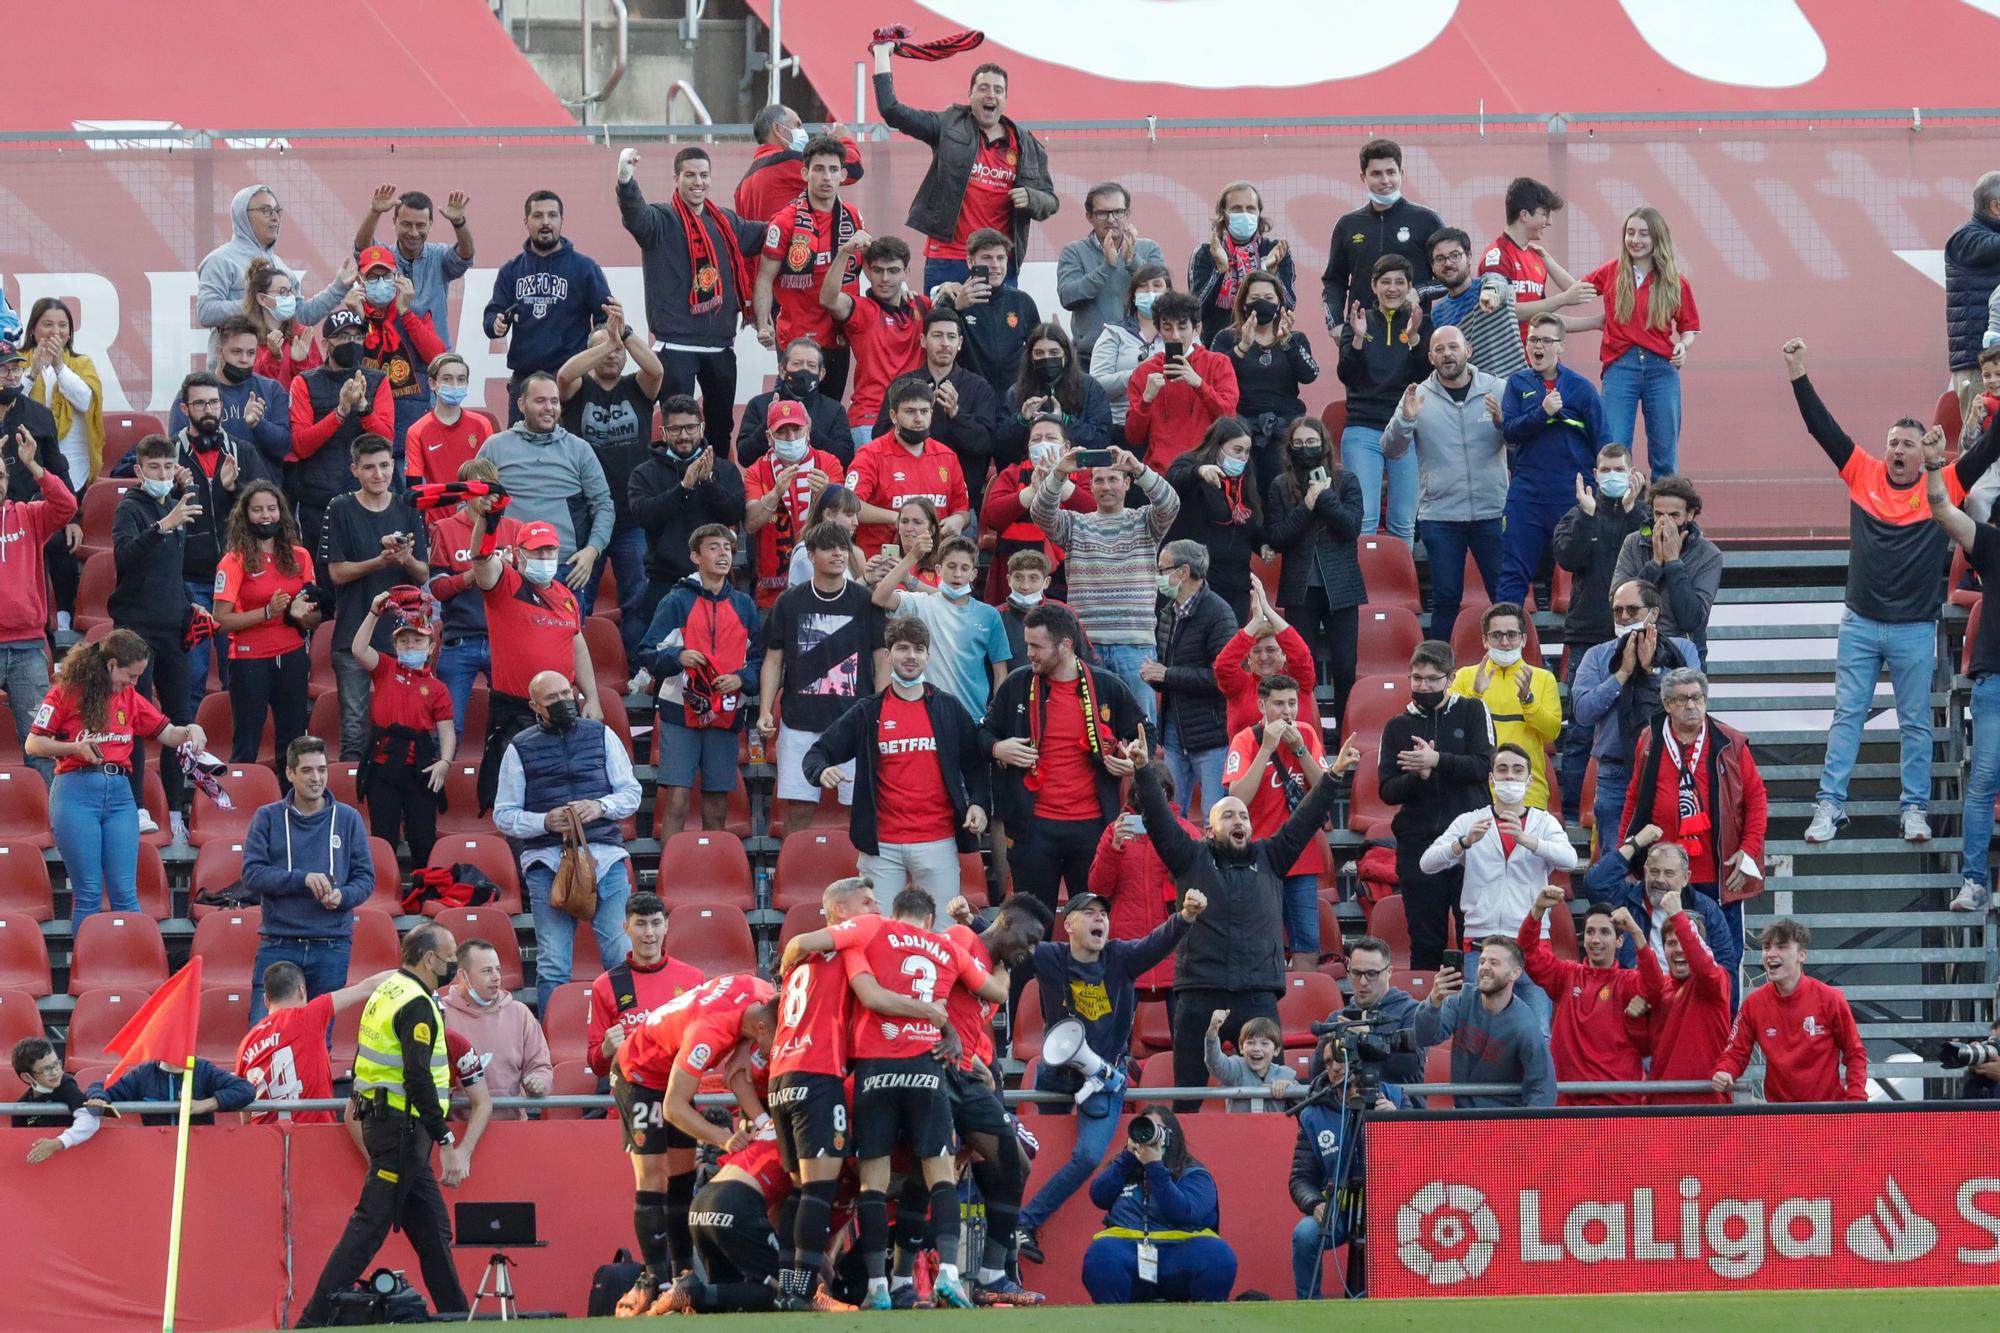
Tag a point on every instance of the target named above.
point(797, 384)
point(1265, 312)
point(912, 438)
point(1427, 700)
point(447, 972)
point(1309, 453)
point(266, 531)
point(562, 716)
point(1048, 369)
point(8, 395)
point(345, 355)
point(235, 374)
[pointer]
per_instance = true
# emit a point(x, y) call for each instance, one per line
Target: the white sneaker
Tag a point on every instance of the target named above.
point(642, 683)
point(178, 823)
point(1916, 825)
point(146, 824)
point(1973, 896)
point(62, 622)
point(1826, 821)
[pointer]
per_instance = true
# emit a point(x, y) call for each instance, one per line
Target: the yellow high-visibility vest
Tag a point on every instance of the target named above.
point(378, 1061)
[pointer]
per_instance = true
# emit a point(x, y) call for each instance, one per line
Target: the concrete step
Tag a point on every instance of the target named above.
point(1883, 697)
point(1879, 920)
point(1835, 956)
point(1901, 1032)
point(1859, 809)
point(1810, 882)
point(1763, 596)
point(1851, 846)
point(1754, 633)
point(1883, 739)
point(1916, 991)
point(1772, 773)
point(1768, 668)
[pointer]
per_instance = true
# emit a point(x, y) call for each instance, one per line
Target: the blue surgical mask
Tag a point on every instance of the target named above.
point(800, 138)
point(412, 659)
point(541, 573)
point(1233, 467)
point(1613, 485)
point(451, 395)
point(958, 592)
point(1143, 302)
point(1242, 226)
point(284, 307)
point(159, 490)
point(379, 291)
point(910, 682)
point(1024, 600)
point(1384, 200)
point(791, 451)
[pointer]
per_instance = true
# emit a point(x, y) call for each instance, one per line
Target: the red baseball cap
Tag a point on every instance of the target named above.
point(535, 536)
point(375, 256)
point(786, 412)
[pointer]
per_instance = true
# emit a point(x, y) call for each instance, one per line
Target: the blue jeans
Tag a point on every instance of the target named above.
point(862, 434)
point(1910, 654)
point(1533, 510)
point(1573, 750)
point(1202, 1268)
point(1446, 541)
point(1641, 379)
point(1094, 1136)
point(1309, 1247)
point(324, 961)
point(1361, 450)
point(457, 664)
point(1608, 806)
point(96, 823)
point(627, 558)
point(24, 674)
point(1982, 784)
point(1302, 913)
point(1203, 767)
point(555, 929)
point(1123, 660)
point(203, 595)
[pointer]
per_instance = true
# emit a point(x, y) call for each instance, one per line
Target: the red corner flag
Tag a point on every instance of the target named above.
point(163, 1029)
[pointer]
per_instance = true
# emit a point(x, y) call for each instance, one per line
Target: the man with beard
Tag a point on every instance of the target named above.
point(1638, 875)
point(1494, 1036)
point(801, 380)
point(546, 298)
point(254, 416)
point(554, 477)
point(965, 410)
point(684, 486)
point(215, 463)
point(1590, 1040)
point(332, 406)
point(799, 248)
point(1684, 1034)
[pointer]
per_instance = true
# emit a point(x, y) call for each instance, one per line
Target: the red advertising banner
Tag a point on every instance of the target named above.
point(1726, 1202)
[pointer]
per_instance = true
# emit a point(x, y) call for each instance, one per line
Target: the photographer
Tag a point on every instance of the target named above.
point(1982, 1080)
point(1327, 1164)
point(1161, 1211)
point(1495, 1037)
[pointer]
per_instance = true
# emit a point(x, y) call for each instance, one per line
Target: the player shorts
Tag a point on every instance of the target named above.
point(733, 1232)
point(975, 1108)
point(809, 1112)
point(902, 1103)
point(642, 1115)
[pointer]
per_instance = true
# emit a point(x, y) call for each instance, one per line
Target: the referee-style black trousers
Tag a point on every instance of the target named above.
point(400, 1192)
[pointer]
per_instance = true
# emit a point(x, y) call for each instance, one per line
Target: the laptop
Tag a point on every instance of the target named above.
point(494, 1224)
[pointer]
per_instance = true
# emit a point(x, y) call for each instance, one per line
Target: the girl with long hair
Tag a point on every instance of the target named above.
point(286, 347)
point(66, 382)
point(265, 604)
point(1122, 346)
point(1649, 321)
point(1272, 359)
point(1051, 382)
point(1239, 243)
point(1155, 1193)
point(918, 528)
point(88, 724)
point(835, 504)
point(1220, 508)
point(1314, 521)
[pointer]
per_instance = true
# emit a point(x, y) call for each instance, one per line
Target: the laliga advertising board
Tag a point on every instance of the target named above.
point(1704, 1201)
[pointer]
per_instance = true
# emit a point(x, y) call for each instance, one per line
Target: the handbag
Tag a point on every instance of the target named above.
point(575, 887)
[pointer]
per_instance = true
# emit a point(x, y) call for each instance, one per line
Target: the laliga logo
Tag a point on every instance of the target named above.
point(1446, 1233)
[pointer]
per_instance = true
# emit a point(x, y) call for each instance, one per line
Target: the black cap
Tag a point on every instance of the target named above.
point(343, 318)
point(1079, 902)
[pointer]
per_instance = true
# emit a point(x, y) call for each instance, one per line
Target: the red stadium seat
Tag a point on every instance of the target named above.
point(156, 896)
point(972, 880)
point(1437, 1069)
point(19, 1017)
point(473, 734)
point(800, 918)
point(1301, 1063)
point(713, 937)
point(388, 894)
point(153, 800)
point(616, 718)
point(225, 1017)
point(226, 942)
point(217, 717)
point(1948, 415)
point(1468, 646)
point(808, 861)
point(323, 719)
point(1309, 997)
point(566, 1025)
point(1332, 951)
point(217, 866)
point(1561, 584)
point(374, 946)
point(93, 589)
point(461, 793)
point(1562, 933)
point(25, 889)
point(1028, 1031)
point(1389, 573)
point(24, 954)
point(346, 1040)
point(1388, 923)
point(1417, 984)
point(1389, 634)
point(1029, 1070)
point(10, 748)
point(100, 505)
point(1365, 806)
point(341, 777)
point(571, 1078)
point(95, 1020)
point(249, 786)
point(607, 656)
point(497, 928)
point(492, 856)
point(1157, 1071)
point(1151, 1028)
point(707, 868)
point(1372, 702)
point(118, 949)
point(320, 678)
point(24, 807)
point(122, 430)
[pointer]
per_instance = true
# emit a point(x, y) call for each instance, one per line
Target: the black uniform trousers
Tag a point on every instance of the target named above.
point(400, 1192)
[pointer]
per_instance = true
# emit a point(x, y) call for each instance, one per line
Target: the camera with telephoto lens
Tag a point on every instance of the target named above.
point(1147, 1132)
point(1966, 1054)
point(1365, 1048)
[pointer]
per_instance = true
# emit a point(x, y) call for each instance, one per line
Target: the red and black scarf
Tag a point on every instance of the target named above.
point(940, 49)
point(1243, 260)
point(705, 293)
point(803, 250)
point(1098, 739)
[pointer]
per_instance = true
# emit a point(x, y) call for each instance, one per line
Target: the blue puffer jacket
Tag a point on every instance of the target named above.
point(1149, 1199)
point(1971, 272)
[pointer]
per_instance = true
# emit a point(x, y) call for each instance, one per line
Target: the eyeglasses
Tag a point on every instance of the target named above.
point(1626, 612)
point(1544, 342)
point(1447, 256)
point(1685, 700)
point(1111, 214)
point(267, 210)
point(1368, 973)
point(692, 429)
point(1427, 680)
point(1505, 636)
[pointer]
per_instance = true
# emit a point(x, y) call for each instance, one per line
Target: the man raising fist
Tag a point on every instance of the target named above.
point(1591, 1040)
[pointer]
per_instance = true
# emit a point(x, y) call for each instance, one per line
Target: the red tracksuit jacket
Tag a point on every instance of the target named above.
point(1805, 1037)
point(1687, 1031)
point(1589, 1039)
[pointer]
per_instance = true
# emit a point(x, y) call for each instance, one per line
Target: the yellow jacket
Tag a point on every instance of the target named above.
point(1533, 726)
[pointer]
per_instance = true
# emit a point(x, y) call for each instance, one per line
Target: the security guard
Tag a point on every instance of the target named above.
point(401, 1086)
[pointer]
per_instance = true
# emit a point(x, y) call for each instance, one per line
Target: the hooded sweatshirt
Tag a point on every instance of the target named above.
point(507, 1034)
point(219, 290)
point(24, 527)
point(553, 298)
point(554, 477)
point(284, 846)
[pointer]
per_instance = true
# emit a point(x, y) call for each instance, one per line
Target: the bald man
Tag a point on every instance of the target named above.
point(1454, 419)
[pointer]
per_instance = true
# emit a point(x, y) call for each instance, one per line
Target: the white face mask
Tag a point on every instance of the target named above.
point(958, 592)
point(791, 451)
point(1510, 793)
point(541, 573)
point(1044, 453)
point(1024, 599)
point(1505, 657)
point(1626, 630)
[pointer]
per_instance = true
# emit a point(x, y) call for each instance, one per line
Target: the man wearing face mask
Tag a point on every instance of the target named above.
point(1004, 513)
point(778, 491)
point(684, 486)
point(400, 341)
point(907, 464)
point(333, 405)
point(1616, 693)
point(800, 380)
point(484, 1012)
point(965, 412)
point(777, 170)
point(997, 317)
point(968, 650)
point(402, 1083)
point(1388, 224)
point(214, 465)
point(1554, 423)
point(567, 775)
point(431, 266)
point(254, 417)
point(1520, 695)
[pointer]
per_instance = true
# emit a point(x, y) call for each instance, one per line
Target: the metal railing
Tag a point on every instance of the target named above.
point(623, 39)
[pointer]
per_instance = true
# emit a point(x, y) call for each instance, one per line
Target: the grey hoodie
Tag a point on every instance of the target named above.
point(1461, 455)
point(554, 478)
point(219, 293)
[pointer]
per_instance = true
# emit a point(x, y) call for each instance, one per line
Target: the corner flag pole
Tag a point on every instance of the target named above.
point(180, 1191)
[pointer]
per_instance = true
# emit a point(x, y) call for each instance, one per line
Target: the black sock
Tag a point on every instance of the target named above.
point(649, 1223)
point(944, 1221)
point(910, 1209)
point(810, 1230)
point(871, 1212)
point(679, 1199)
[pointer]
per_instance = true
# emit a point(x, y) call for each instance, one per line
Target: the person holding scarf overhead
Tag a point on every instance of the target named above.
point(698, 283)
point(1239, 245)
point(399, 342)
point(799, 247)
point(1058, 727)
point(65, 381)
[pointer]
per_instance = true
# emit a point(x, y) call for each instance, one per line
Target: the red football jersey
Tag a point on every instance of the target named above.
point(759, 1160)
point(907, 960)
point(814, 1015)
point(1526, 271)
point(284, 1058)
point(695, 1030)
point(972, 1016)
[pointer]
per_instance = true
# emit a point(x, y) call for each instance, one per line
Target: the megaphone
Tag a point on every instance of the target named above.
point(1064, 1045)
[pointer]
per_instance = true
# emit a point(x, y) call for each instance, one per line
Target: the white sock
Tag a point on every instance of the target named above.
point(947, 1272)
point(991, 1275)
point(878, 1284)
point(898, 1283)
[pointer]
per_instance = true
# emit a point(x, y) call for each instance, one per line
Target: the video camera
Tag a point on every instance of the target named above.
point(1367, 1038)
point(1966, 1054)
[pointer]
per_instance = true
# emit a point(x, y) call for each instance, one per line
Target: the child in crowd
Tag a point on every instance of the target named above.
point(1256, 1062)
point(411, 740)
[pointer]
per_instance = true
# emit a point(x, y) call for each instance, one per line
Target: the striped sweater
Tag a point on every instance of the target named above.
point(1110, 557)
point(1494, 337)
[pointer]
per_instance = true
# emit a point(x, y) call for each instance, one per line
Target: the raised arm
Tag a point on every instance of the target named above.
point(1826, 432)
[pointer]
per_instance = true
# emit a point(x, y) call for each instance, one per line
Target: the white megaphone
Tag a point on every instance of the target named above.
point(1064, 1045)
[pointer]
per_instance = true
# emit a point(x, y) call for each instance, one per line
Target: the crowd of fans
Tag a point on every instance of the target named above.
point(1122, 709)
